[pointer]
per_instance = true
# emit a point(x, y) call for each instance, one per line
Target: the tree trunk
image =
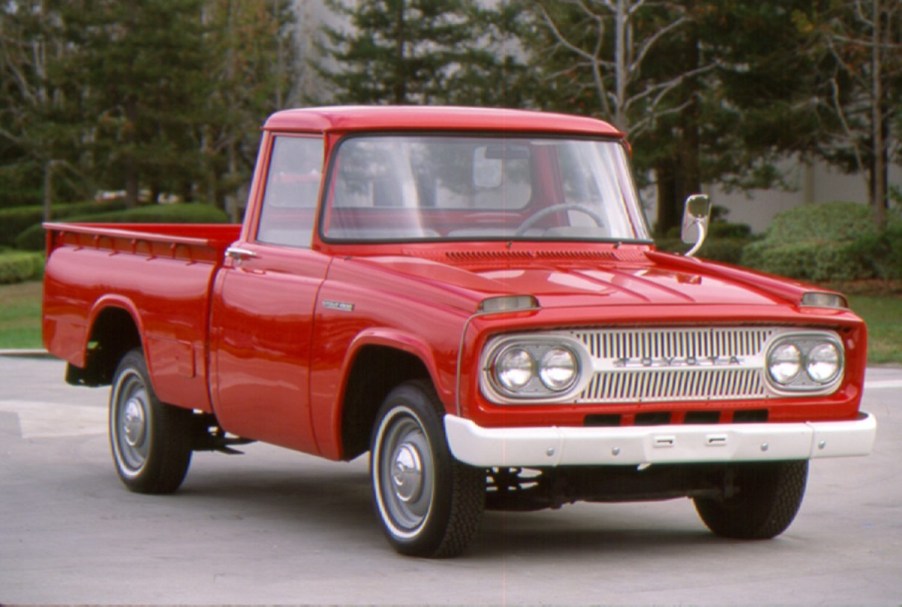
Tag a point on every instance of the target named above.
point(400, 84)
point(668, 214)
point(682, 175)
point(132, 184)
point(689, 180)
point(879, 172)
point(48, 189)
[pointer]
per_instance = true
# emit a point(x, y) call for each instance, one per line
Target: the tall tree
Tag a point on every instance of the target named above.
point(39, 134)
point(858, 43)
point(145, 70)
point(737, 120)
point(638, 64)
point(611, 41)
point(421, 51)
point(252, 73)
point(491, 68)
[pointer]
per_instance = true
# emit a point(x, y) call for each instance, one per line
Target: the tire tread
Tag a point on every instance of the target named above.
point(769, 498)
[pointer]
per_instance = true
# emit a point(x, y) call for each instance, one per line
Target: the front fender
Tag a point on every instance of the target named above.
point(403, 341)
point(346, 396)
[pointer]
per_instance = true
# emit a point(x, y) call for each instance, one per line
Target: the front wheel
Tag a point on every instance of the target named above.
point(150, 440)
point(429, 504)
point(766, 500)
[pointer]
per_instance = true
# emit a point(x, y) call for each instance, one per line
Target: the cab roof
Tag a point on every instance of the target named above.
point(434, 118)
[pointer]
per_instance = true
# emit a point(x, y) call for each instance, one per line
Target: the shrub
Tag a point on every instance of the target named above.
point(728, 250)
point(815, 242)
point(20, 266)
point(882, 253)
point(725, 241)
point(32, 239)
point(828, 222)
point(16, 220)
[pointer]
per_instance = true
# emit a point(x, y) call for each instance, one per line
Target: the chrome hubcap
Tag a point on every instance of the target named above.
point(403, 469)
point(407, 473)
point(133, 423)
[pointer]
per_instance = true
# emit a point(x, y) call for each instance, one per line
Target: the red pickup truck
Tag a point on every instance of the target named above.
point(471, 296)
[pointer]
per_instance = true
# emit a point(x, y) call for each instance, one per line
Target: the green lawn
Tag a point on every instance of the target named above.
point(883, 314)
point(20, 320)
point(20, 315)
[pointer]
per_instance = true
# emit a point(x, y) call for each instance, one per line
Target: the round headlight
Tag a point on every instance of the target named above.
point(823, 363)
point(784, 363)
point(514, 368)
point(558, 369)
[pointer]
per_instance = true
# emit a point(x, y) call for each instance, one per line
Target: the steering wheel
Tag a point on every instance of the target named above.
point(567, 206)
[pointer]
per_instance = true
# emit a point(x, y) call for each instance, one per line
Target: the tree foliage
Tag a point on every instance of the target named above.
point(168, 95)
point(707, 90)
point(149, 97)
point(421, 52)
point(39, 134)
point(857, 45)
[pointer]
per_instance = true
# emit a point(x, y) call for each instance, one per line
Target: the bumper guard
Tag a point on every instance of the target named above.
point(646, 445)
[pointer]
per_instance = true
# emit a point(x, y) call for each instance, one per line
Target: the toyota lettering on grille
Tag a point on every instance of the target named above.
point(659, 362)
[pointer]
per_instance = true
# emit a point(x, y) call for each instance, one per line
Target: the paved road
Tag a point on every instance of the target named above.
point(274, 526)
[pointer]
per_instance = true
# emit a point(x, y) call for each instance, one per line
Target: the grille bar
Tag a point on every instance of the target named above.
point(675, 364)
point(657, 343)
point(673, 385)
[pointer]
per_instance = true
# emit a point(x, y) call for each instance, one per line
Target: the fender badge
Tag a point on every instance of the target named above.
point(341, 306)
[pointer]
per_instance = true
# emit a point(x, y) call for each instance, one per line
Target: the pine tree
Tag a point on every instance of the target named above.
point(39, 122)
point(412, 52)
point(252, 75)
point(858, 45)
point(145, 77)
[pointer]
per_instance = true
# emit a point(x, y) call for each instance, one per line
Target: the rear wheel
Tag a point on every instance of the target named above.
point(429, 504)
point(150, 440)
point(766, 500)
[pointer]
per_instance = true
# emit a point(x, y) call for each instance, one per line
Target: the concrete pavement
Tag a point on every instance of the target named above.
point(274, 526)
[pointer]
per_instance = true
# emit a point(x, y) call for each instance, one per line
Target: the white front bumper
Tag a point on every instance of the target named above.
point(643, 445)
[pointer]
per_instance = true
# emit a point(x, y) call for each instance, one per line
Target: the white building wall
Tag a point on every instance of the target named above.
point(810, 184)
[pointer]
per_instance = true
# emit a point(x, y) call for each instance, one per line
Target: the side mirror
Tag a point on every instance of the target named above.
point(696, 215)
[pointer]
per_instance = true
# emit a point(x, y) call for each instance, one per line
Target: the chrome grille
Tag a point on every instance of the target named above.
point(675, 364)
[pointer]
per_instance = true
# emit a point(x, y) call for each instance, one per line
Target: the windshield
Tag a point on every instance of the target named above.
point(429, 187)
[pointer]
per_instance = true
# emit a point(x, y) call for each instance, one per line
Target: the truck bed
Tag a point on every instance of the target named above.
point(188, 241)
point(159, 275)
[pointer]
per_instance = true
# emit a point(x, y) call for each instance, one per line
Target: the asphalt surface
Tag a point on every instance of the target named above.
point(273, 526)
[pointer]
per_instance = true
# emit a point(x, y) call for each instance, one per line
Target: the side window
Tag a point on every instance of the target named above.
point(292, 187)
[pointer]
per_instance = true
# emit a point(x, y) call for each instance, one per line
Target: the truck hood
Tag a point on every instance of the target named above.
point(586, 278)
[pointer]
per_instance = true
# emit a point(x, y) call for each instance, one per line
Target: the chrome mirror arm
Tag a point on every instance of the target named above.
point(702, 234)
point(696, 215)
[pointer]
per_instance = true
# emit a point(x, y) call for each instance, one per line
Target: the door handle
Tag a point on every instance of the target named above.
point(239, 254)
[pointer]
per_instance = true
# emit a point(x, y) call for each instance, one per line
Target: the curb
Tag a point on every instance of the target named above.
point(26, 353)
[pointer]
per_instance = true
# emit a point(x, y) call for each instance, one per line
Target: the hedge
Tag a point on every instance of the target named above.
point(16, 220)
point(882, 253)
point(32, 239)
point(827, 222)
point(728, 250)
point(725, 242)
point(19, 266)
point(817, 242)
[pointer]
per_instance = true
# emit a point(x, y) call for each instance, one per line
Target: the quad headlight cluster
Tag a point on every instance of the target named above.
point(805, 362)
point(555, 367)
point(536, 367)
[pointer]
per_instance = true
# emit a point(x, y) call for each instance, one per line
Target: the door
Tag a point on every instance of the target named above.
point(263, 305)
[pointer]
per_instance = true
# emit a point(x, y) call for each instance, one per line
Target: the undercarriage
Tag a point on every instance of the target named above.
point(526, 489)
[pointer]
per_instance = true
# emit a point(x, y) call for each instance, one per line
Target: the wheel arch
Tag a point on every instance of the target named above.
point(114, 330)
point(376, 365)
